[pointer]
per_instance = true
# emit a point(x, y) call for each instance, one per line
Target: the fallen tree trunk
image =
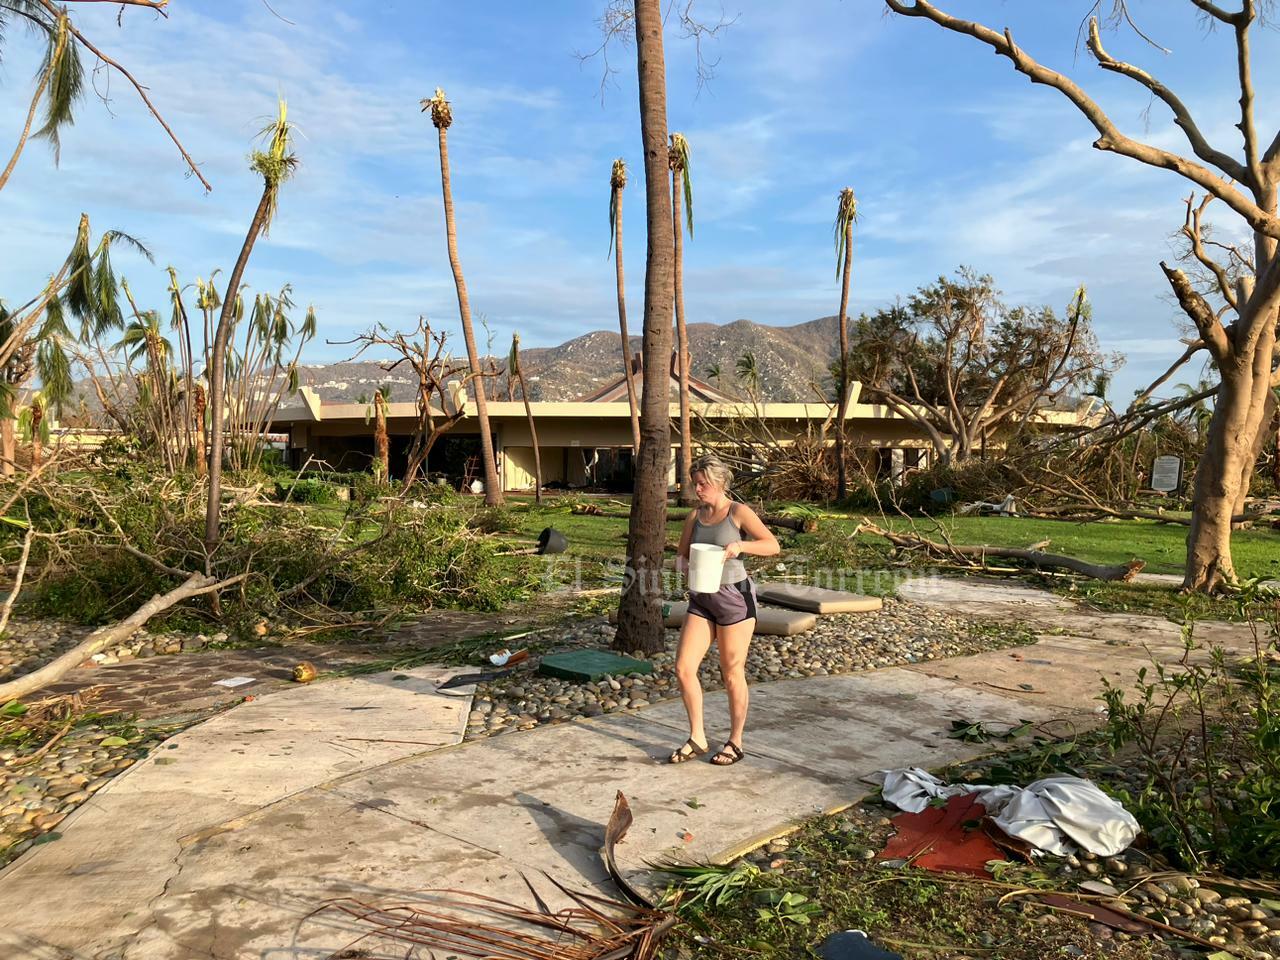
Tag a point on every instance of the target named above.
point(1085, 513)
point(197, 584)
point(1122, 572)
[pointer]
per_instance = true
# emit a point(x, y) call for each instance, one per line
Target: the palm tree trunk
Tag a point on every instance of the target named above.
point(37, 450)
point(640, 608)
point(381, 442)
point(842, 407)
point(627, 370)
point(533, 433)
point(8, 447)
point(202, 440)
point(45, 75)
point(217, 376)
point(188, 399)
point(685, 456)
point(492, 490)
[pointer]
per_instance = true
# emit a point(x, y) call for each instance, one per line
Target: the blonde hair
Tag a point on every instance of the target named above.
point(715, 469)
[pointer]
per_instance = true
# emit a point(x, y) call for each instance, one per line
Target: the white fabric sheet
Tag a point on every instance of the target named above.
point(1055, 814)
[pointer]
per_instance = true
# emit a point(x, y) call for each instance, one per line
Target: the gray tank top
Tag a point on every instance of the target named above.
point(722, 534)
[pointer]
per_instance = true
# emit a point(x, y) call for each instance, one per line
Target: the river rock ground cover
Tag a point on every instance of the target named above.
point(27, 645)
point(830, 870)
point(902, 632)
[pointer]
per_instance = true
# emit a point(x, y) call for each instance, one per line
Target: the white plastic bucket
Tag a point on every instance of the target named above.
point(706, 566)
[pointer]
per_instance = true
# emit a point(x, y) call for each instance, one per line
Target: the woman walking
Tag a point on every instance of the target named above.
point(727, 616)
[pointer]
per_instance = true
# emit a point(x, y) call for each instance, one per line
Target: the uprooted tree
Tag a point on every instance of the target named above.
point(1242, 348)
point(964, 367)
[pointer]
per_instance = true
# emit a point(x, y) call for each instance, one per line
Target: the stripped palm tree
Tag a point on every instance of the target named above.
point(181, 324)
point(145, 344)
point(617, 183)
point(640, 607)
point(59, 84)
point(381, 441)
point(681, 183)
point(747, 370)
point(513, 368)
point(846, 215)
point(34, 426)
point(275, 163)
point(60, 80)
point(442, 117)
point(34, 339)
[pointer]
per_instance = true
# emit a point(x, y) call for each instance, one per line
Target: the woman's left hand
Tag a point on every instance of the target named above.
point(733, 550)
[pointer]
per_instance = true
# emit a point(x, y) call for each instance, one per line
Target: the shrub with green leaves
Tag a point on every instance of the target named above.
point(306, 490)
point(1206, 731)
point(377, 556)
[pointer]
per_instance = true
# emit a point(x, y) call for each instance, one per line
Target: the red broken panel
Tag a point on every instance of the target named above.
point(944, 838)
point(1097, 912)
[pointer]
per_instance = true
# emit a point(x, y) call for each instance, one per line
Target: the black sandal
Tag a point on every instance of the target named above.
point(688, 751)
point(731, 751)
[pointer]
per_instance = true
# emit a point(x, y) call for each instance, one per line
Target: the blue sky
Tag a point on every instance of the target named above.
point(955, 159)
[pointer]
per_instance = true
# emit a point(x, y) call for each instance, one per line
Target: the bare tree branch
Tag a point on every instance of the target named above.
point(1194, 305)
point(1110, 138)
point(1181, 115)
point(1191, 229)
point(142, 91)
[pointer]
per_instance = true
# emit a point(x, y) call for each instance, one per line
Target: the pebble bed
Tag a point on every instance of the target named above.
point(36, 797)
point(1129, 882)
point(1244, 925)
point(1132, 881)
point(901, 632)
point(29, 645)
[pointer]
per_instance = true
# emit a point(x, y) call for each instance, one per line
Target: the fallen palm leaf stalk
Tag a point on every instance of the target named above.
point(472, 925)
point(967, 555)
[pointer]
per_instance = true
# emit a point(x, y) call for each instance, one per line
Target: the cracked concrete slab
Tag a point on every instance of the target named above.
point(978, 595)
point(118, 850)
point(273, 809)
point(478, 817)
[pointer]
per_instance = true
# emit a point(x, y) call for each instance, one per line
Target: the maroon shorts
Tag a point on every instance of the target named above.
point(732, 603)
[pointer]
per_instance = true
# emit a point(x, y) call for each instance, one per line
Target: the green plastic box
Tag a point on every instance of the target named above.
point(588, 666)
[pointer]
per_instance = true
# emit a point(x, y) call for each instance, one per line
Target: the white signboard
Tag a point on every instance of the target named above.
point(1166, 473)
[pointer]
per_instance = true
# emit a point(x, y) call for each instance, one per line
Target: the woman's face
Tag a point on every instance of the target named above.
point(706, 489)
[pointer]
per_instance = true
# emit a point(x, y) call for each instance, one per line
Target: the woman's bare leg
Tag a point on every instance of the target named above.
point(695, 641)
point(734, 640)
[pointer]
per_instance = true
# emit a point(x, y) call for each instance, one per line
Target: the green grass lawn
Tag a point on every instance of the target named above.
point(1162, 546)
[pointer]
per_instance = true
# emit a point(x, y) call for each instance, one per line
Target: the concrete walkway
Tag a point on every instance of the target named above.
point(269, 810)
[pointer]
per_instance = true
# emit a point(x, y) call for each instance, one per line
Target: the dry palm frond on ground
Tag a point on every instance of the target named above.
point(472, 925)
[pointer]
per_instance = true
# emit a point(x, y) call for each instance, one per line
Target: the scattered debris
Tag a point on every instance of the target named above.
point(853, 945)
point(305, 672)
point(505, 657)
point(1054, 814)
point(1095, 912)
point(233, 682)
point(466, 679)
point(464, 924)
point(975, 557)
point(1008, 507)
point(944, 838)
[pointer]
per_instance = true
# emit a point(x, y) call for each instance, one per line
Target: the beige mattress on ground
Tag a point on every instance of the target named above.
point(769, 620)
point(816, 599)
